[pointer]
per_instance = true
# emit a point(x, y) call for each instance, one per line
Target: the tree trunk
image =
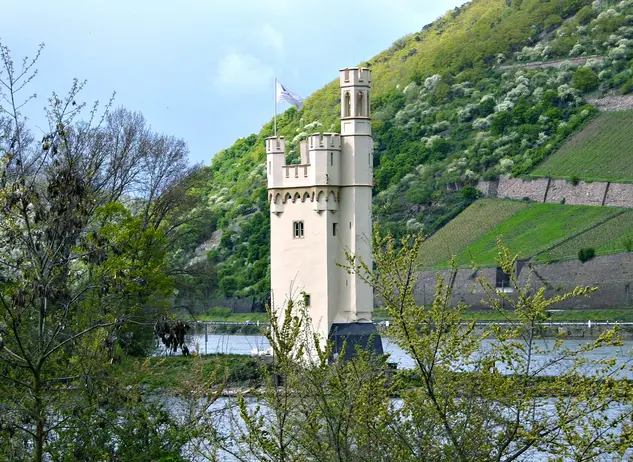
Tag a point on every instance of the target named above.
point(39, 410)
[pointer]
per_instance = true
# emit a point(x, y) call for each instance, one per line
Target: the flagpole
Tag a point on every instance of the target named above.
point(275, 98)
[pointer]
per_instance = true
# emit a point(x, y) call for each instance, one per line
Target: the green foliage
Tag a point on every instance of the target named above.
point(574, 180)
point(585, 80)
point(586, 254)
point(586, 14)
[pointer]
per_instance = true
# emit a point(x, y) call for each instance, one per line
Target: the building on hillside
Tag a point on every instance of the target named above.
point(320, 208)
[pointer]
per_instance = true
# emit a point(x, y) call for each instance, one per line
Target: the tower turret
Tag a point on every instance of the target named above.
point(355, 110)
point(275, 160)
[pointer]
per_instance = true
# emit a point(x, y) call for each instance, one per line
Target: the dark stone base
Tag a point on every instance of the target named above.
point(363, 334)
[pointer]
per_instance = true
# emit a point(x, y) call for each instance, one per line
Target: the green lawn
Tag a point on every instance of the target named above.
point(622, 315)
point(466, 228)
point(171, 371)
point(601, 151)
point(614, 236)
point(533, 229)
point(224, 314)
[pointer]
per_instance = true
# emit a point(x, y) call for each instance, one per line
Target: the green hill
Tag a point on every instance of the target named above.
point(602, 151)
point(528, 229)
point(613, 236)
point(466, 228)
point(452, 103)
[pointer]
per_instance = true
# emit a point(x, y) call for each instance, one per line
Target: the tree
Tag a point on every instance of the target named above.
point(79, 269)
point(462, 401)
point(585, 80)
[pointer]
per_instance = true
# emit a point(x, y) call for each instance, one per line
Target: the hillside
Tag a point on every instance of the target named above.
point(602, 151)
point(532, 228)
point(452, 103)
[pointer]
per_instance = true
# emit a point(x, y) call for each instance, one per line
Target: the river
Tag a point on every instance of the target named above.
point(542, 352)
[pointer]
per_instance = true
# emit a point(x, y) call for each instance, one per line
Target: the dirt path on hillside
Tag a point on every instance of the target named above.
point(552, 64)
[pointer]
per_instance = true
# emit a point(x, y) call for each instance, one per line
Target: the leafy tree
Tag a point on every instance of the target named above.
point(80, 271)
point(585, 79)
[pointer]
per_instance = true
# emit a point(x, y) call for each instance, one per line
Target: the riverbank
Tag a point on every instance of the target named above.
point(380, 314)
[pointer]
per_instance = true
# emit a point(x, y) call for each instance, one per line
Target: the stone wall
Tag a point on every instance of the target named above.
point(612, 274)
point(619, 195)
point(579, 194)
point(554, 191)
point(517, 188)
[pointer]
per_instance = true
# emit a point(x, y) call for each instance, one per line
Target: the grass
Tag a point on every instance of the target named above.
point(614, 236)
point(621, 315)
point(600, 152)
point(532, 230)
point(225, 314)
point(466, 228)
point(169, 373)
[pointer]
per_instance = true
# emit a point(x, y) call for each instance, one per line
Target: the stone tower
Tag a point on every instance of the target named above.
point(320, 208)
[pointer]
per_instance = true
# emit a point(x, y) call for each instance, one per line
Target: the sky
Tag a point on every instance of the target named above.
point(201, 70)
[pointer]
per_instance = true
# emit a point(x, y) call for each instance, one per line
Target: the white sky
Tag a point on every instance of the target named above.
point(202, 70)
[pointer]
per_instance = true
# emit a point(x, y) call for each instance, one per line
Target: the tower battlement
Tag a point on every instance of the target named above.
point(329, 141)
point(275, 144)
point(355, 77)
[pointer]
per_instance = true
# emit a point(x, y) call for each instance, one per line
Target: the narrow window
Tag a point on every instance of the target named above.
point(306, 299)
point(305, 172)
point(369, 158)
point(359, 104)
point(350, 225)
point(347, 105)
point(287, 173)
point(296, 172)
point(331, 158)
point(269, 167)
point(297, 229)
point(334, 229)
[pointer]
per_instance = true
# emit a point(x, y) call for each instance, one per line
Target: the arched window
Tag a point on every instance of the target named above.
point(347, 105)
point(288, 197)
point(360, 104)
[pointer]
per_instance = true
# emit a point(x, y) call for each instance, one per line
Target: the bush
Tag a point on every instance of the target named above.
point(552, 21)
point(574, 180)
point(628, 244)
point(586, 254)
point(585, 15)
point(627, 87)
point(585, 80)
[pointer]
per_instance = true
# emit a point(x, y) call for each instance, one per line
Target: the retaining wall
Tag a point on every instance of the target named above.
point(612, 274)
point(554, 191)
point(579, 194)
point(516, 188)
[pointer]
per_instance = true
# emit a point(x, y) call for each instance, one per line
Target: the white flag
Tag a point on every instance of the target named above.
point(283, 94)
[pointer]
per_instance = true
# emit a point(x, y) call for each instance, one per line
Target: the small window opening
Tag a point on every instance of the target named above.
point(334, 229)
point(297, 229)
point(269, 167)
point(331, 159)
point(347, 105)
point(296, 172)
point(359, 104)
point(306, 299)
point(350, 225)
point(287, 173)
